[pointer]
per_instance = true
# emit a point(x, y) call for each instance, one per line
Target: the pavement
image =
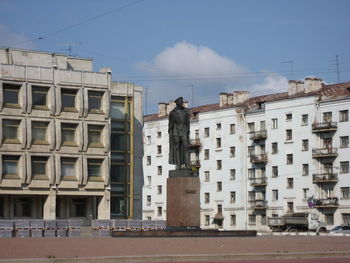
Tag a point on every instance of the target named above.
point(229, 249)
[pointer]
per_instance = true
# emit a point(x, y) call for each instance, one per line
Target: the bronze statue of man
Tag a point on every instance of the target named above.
point(179, 131)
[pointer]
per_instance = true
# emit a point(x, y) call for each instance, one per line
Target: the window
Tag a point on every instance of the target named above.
point(39, 97)
point(251, 150)
point(290, 183)
point(232, 151)
point(218, 165)
point(289, 135)
point(10, 94)
point(149, 162)
point(305, 145)
point(329, 218)
point(344, 167)
point(159, 149)
point(344, 141)
point(10, 165)
point(148, 140)
point(263, 220)
point(305, 169)
point(159, 135)
point(219, 186)
point(346, 218)
point(68, 99)
point(218, 142)
point(94, 135)
point(343, 115)
point(274, 194)
point(232, 197)
point(68, 134)
point(251, 173)
point(232, 174)
point(289, 117)
point(232, 128)
point(207, 198)
point(289, 158)
point(206, 132)
point(251, 126)
point(95, 101)
point(39, 132)
point(78, 207)
point(159, 170)
point(22, 207)
point(233, 220)
point(218, 126)
point(274, 171)
point(94, 168)
point(206, 154)
point(207, 220)
point(149, 200)
point(252, 219)
point(305, 193)
point(68, 168)
point(327, 116)
point(159, 189)
point(206, 176)
point(118, 207)
point(345, 192)
point(149, 180)
point(290, 207)
point(274, 148)
point(219, 207)
point(262, 125)
point(39, 166)
point(159, 211)
point(196, 134)
point(304, 119)
point(10, 130)
point(274, 124)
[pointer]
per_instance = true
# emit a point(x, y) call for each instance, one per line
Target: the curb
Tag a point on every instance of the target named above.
point(172, 258)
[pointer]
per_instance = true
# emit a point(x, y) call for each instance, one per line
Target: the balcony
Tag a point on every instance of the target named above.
point(195, 164)
point(330, 202)
point(258, 158)
point(259, 181)
point(328, 126)
point(325, 152)
point(258, 204)
point(258, 135)
point(195, 143)
point(326, 177)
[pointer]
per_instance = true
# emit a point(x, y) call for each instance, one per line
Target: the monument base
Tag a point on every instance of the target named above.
point(183, 200)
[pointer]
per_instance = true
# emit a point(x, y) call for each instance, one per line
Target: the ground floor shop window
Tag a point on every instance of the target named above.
point(118, 206)
point(346, 219)
point(22, 207)
point(329, 219)
point(78, 207)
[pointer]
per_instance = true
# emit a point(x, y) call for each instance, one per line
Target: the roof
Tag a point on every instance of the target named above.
point(326, 93)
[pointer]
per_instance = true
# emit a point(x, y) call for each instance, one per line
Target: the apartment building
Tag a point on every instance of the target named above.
point(260, 157)
point(67, 139)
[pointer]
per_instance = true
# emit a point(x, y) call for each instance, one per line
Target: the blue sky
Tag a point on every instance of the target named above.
point(170, 47)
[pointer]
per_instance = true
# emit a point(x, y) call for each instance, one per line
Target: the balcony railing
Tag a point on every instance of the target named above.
point(324, 126)
point(258, 204)
point(259, 181)
point(326, 177)
point(258, 135)
point(195, 164)
point(195, 143)
point(258, 158)
point(326, 202)
point(325, 152)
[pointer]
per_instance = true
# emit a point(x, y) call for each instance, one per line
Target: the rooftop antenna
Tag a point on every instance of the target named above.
point(290, 62)
point(145, 101)
point(192, 92)
point(69, 47)
point(337, 65)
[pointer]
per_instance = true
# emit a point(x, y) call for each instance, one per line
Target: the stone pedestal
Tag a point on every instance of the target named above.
point(183, 203)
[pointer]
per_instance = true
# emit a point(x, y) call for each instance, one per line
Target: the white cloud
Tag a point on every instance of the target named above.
point(177, 68)
point(14, 40)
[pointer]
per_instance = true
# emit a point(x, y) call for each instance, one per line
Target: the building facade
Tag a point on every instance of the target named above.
point(67, 139)
point(260, 157)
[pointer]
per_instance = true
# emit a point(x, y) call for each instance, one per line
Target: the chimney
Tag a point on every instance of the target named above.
point(239, 97)
point(223, 99)
point(312, 84)
point(162, 109)
point(295, 87)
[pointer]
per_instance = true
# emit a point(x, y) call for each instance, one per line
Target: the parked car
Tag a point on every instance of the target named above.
point(340, 230)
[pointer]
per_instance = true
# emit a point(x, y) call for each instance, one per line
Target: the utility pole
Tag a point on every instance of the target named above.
point(192, 96)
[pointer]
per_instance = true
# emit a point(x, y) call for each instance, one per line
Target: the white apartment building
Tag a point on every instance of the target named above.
point(260, 157)
point(70, 139)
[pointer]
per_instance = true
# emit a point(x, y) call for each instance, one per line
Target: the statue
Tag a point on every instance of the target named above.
point(179, 131)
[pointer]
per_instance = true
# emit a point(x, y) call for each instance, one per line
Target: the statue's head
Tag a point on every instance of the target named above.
point(179, 102)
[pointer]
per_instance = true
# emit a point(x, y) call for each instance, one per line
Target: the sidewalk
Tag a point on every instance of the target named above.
point(169, 249)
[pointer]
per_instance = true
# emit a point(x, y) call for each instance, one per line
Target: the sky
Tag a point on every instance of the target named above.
point(190, 48)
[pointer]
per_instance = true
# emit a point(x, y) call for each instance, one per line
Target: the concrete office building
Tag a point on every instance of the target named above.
point(69, 139)
point(260, 157)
